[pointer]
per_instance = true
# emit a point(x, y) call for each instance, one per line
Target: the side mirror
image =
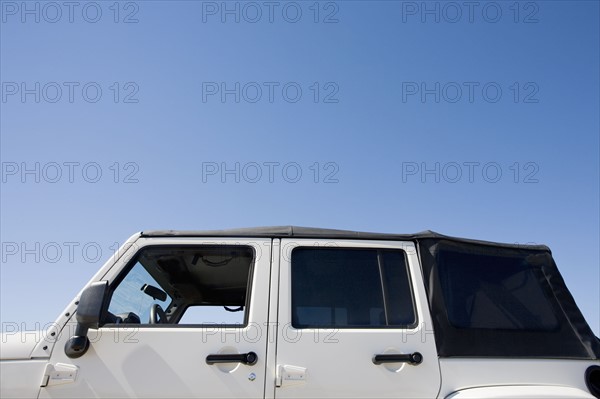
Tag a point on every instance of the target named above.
point(92, 308)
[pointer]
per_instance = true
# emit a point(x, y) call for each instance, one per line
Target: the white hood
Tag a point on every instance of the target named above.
point(19, 344)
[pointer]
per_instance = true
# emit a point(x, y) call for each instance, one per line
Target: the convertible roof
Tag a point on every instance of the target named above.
point(318, 233)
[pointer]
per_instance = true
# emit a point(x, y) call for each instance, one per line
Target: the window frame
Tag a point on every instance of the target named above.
point(130, 264)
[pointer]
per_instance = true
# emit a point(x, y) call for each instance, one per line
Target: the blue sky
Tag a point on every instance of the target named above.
point(384, 116)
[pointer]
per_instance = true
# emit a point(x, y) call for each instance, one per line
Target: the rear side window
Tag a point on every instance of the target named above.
point(501, 301)
point(351, 288)
point(495, 292)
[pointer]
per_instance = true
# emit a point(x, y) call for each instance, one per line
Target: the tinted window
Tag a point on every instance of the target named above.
point(344, 287)
point(495, 292)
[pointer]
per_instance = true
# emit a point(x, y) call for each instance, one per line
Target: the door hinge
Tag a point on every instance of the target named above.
point(59, 374)
point(290, 375)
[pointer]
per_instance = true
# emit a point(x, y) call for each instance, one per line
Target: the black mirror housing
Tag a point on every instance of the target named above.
point(91, 311)
point(93, 305)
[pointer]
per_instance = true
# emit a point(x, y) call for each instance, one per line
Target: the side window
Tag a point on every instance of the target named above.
point(350, 288)
point(495, 292)
point(129, 302)
point(222, 314)
point(201, 284)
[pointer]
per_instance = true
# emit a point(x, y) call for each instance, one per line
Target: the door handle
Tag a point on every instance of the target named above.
point(410, 358)
point(249, 358)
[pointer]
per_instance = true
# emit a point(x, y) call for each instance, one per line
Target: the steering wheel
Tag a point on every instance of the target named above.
point(157, 315)
point(238, 309)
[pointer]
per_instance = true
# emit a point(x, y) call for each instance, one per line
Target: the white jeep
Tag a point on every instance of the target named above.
point(291, 312)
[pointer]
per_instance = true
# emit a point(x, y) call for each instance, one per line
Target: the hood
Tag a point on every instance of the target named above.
point(18, 345)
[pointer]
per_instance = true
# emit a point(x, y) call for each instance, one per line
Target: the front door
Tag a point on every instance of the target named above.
point(187, 319)
point(353, 322)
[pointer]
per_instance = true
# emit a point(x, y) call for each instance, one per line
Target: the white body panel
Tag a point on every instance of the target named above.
point(462, 374)
point(21, 378)
point(169, 361)
point(339, 362)
point(521, 392)
point(16, 346)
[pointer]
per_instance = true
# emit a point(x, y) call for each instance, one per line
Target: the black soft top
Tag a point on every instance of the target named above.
point(318, 233)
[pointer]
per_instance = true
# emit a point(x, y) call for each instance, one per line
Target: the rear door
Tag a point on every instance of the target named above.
point(353, 321)
point(212, 309)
